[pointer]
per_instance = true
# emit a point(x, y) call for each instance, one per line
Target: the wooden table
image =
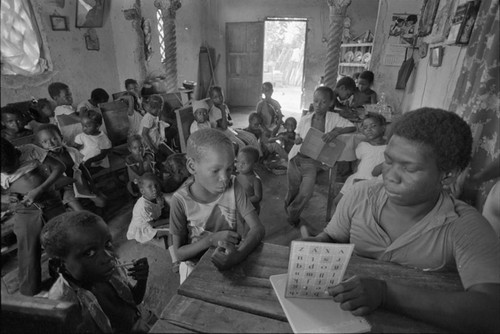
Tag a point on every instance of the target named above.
point(243, 300)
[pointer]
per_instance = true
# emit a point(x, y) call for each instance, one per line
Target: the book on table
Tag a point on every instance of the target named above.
point(81, 187)
point(303, 292)
point(314, 147)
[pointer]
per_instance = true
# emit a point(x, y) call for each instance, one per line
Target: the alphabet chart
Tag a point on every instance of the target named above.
point(314, 267)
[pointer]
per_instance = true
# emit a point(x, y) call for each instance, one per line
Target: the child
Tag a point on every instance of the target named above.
point(148, 211)
point(30, 195)
point(91, 276)
point(302, 170)
point(13, 124)
point(287, 137)
point(249, 180)
point(49, 138)
point(364, 94)
point(219, 116)
point(138, 162)
point(269, 109)
point(97, 96)
point(149, 128)
point(132, 86)
point(133, 112)
point(61, 94)
point(92, 143)
point(200, 112)
point(263, 135)
point(42, 113)
point(370, 153)
point(208, 211)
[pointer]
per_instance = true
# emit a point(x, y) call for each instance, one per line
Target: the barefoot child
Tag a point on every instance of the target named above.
point(249, 180)
point(207, 212)
point(91, 276)
point(269, 109)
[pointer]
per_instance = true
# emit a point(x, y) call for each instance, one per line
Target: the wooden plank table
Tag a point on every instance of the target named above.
point(243, 300)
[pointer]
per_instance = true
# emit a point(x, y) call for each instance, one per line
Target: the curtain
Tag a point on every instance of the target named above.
point(20, 41)
point(476, 97)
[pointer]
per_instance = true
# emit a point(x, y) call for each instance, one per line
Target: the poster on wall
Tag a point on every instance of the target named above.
point(402, 34)
point(89, 13)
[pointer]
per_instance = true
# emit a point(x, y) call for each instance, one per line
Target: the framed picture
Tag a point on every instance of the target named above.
point(467, 25)
point(429, 10)
point(59, 23)
point(436, 56)
point(89, 13)
point(91, 42)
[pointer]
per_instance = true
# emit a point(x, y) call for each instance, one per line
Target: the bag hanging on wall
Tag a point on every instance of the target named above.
point(405, 72)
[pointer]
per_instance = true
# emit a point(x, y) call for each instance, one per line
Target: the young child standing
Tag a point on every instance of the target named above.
point(370, 153)
point(90, 276)
point(249, 180)
point(364, 94)
point(302, 170)
point(200, 112)
point(61, 94)
point(269, 109)
point(149, 128)
point(30, 195)
point(93, 143)
point(13, 125)
point(208, 211)
point(138, 162)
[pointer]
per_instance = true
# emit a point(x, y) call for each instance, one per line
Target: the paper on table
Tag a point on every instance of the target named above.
point(316, 315)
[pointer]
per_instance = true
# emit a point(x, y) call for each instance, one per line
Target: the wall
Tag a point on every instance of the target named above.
point(73, 64)
point(362, 13)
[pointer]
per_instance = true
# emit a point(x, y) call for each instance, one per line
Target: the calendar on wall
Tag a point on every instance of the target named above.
point(316, 266)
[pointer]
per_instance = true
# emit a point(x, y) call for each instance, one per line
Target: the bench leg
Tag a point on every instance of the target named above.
point(332, 175)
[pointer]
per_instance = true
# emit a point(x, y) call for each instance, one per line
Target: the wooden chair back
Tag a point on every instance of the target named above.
point(184, 117)
point(23, 140)
point(116, 96)
point(116, 120)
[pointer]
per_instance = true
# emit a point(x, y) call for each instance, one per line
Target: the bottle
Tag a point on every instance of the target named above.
point(383, 108)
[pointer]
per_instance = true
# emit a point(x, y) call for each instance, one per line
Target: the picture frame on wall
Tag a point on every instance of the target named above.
point(89, 14)
point(436, 56)
point(428, 14)
point(59, 23)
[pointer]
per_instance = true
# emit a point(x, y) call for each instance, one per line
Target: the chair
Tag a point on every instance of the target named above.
point(116, 120)
point(184, 117)
point(30, 139)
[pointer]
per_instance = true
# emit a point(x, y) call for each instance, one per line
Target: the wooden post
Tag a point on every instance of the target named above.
point(169, 9)
point(338, 10)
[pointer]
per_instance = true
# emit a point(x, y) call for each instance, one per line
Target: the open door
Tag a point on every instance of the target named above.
point(244, 47)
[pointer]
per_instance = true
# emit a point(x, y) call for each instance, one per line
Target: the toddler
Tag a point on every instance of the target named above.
point(61, 94)
point(209, 210)
point(49, 138)
point(97, 96)
point(93, 143)
point(302, 170)
point(41, 113)
point(249, 180)
point(149, 128)
point(28, 192)
point(370, 153)
point(269, 109)
point(13, 125)
point(200, 112)
point(91, 276)
point(138, 162)
point(287, 137)
point(364, 94)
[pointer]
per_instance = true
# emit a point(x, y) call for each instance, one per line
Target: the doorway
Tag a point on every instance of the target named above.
point(283, 66)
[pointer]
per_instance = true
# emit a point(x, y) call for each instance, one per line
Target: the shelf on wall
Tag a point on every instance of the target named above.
point(350, 45)
point(353, 64)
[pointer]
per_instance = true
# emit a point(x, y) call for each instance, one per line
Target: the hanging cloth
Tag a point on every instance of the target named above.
point(405, 72)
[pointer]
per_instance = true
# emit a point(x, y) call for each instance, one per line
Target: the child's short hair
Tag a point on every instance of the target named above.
point(213, 89)
point(327, 90)
point(178, 160)
point(347, 82)
point(368, 76)
point(137, 106)
point(206, 139)
point(133, 138)
point(250, 151)
point(147, 176)
point(448, 135)
point(55, 234)
point(42, 103)
point(93, 115)
point(48, 127)
point(379, 119)
point(9, 155)
point(268, 85)
point(130, 82)
point(56, 88)
point(291, 119)
point(155, 101)
point(99, 95)
point(10, 110)
point(254, 116)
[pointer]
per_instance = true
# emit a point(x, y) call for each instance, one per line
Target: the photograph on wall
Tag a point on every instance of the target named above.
point(89, 13)
point(403, 29)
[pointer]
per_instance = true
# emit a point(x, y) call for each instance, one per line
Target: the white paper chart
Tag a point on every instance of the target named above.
point(314, 267)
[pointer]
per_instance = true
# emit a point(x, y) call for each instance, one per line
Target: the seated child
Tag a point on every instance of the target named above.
point(269, 109)
point(41, 113)
point(208, 211)
point(133, 112)
point(287, 137)
point(219, 116)
point(93, 143)
point(247, 157)
point(342, 97)
point(364, 94)
point(176, 172)
point(268, 146)
point(138, 162)
point(13, 125)
point(61, 94)
point(200, 112)
point(97, 96)
point(302, 170)
point(370, 152)
point(91, 276)
point(49, 138)
point(28, 192)
point(149, 128)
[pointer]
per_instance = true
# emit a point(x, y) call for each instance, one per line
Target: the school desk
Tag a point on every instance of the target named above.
point(243, 300)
